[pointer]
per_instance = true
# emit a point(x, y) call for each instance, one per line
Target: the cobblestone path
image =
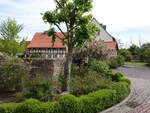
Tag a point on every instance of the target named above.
point(139, 101)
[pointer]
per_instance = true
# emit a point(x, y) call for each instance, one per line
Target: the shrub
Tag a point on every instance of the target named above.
point(120, 60)
point(50, 107)
point(91, 103)
point(122, 79)
point(35, 55)
point(68, 104)
point(8, 108)
point(40, 89)
point(85, 104)
point(13, 74)
point(80, 71)
point(99, 66)
point(89, 83)
point(122, 88)
point(113, 63)
point(103, 99)
point(29, 106)
point(115, 76)
point(116, 62)
point(126, 54)
point(96, 50)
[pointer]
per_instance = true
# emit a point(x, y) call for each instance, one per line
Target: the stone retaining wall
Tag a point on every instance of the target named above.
point(49, 68)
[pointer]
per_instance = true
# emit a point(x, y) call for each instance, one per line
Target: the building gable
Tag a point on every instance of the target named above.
point(103, 35)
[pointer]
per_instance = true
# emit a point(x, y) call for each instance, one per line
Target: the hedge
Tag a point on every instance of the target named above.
point(91, 103)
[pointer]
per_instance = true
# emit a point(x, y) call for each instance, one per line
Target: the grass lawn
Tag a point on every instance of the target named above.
point(137, 64)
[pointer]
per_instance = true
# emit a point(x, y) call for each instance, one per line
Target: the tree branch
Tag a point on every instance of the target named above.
point(60, 30)
point(73, 27)
point(58, 37)
point(59, 4)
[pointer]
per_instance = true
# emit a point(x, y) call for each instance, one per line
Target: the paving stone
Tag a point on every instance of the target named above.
point(139, 101)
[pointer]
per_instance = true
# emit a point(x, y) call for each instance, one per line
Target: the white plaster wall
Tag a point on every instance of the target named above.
point(102, 35)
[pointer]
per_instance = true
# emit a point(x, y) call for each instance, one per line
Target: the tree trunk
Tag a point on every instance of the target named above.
point(67, 70)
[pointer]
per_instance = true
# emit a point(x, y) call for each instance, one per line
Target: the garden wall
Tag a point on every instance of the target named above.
point(49, 68)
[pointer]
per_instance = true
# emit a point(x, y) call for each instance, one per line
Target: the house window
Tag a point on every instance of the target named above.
point(55, 56)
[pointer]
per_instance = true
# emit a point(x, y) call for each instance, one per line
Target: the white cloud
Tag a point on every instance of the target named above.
point(5, 1)
point(118, 15)
point(121, 14)
point(27, 12)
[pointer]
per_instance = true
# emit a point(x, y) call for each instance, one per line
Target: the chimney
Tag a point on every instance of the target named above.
point(104, 26)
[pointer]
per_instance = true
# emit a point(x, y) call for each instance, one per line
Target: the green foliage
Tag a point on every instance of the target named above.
point(50, 107)
point(100, 67)
point(103, 99)
point(68, 104)
point(136, 63)
point(135, 50)
point(80, 70)
point(35, 56)
point(9, 29)
point(40, 89)
point(115, 76)
point(12, 47)
point(113, 63)
point(8, 108)
point(95, 76)
point(122, 88)
point(122, 79)
point(29, 106)
point(145, 56)
point(85, 104)
point(120, 60)
point(126, 54)
point(13, 74)
point(101, 93)
point(80, 29)
point(92, 50)
point(9, 42)
point(116, 62)
point(92, 103)
point(79, 25)
point(91, 82)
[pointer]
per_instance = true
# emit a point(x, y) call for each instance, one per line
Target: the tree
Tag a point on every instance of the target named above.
point(74, 14)
point(145, 52)
point(92, 50)
point(9, 39)
point(13, 73)
point(126, 54)
point(135, 50)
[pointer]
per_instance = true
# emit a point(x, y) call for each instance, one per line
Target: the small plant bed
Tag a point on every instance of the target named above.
point(93, 87)
point(137, 63)
point(91, 103)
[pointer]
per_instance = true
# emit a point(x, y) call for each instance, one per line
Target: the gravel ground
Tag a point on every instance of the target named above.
point(135, 71)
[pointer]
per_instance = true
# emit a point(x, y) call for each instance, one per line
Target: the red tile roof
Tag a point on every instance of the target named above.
point(111, 45)
point(41, 40)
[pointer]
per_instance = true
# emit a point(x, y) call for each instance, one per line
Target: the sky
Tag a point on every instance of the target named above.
point(126, 20)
